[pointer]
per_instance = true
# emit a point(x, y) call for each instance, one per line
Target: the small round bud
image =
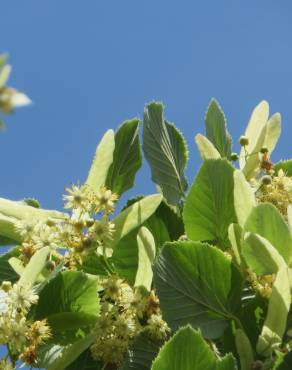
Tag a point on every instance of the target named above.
point(266, 180)
point(6, 286)
point(50, 265)
point(264, 150)
point(243, 140)
point(234, 157)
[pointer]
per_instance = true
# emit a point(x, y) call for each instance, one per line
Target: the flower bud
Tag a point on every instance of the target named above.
point(264, 150)
point(266, 180)
point(243, 140)
point(6, 286)
point(234, 157)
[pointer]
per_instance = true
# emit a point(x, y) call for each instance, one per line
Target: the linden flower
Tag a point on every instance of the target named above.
point(39, 332)
point(103, 230)
point(5, 365)
point(25, 228)
point(11, 98)
point(46, 237)
point(78, 197)
point(21, 297)
point(17, 335)
point(3, 301)
point(112, 287)
point(105, 200)
point(157, 327)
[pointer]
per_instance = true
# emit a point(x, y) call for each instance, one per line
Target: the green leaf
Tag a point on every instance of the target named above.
point(141, 354)
point(275, 323)
point(166, 152)
point(127, 158)
point(85, 362)
point(34, 267)
point(216, 129)
point(171, 219)
point(256, 134)
point(260, 255)
point(235, 235)
point(134, 216)
point(69, 302)
point(56, 357)
point(244, 198)
point(7, 273)
point(102, 161)
point(209, 208)
point(4, 75)
point(206, 148)
point(186, 279)
point(187, 350)
point(146, 255)
point(286, 166)
point(11, 212)
point(267, 221)
point(273, 132)
point(244, 350)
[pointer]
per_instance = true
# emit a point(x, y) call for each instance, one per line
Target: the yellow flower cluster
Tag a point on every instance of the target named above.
point(124, 315)
point(20, 335)
point(262, 284)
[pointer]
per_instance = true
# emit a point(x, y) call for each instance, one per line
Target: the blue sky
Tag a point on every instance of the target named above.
point(89, 65)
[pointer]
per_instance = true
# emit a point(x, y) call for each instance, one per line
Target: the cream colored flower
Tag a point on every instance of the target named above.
point(21, 297)
point(104, 200)
point(77, 197)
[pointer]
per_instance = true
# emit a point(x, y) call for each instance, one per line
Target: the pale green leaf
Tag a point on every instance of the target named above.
point(273, 132)
point(146, 255)
point(189, 290)
point(134, 216)
point(216, 129)
point(275, 323)
point(267, 221)
point(260, 255)
point(11, 212)
point(209, 208)
point(102, 161)
point(235, 235)
point(206, 148)
point(244, 198)
point(187, 350)
point(127, 158)
point(166, 152)
point(4, 75)
point(34, 267)
point(244, 350)
point(17, 265)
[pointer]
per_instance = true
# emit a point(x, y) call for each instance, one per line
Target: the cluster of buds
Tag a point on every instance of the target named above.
point(81, 233)
point(21, 336)
point(261, 284)
point(276, 190)
point(125, 313)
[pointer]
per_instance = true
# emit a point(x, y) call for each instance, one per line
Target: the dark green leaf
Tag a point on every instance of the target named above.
point(166, 152)
point(216, 129)
point(286, 166)
point(6, 271)
point(127, 157)
point(85, 362)
point(190, 292)
point(209, 208)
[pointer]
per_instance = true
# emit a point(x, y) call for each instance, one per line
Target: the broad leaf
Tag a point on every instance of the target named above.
point(244, 198)
point(260, 255)
point(216, 129)
point(85, 362)
point(146, 255)
point(209, 208)
point(273, 132)
point(127, 158)
point(267, 221)
point(166, 152)
point(141, 354)
point(102, 161)
point(206, 148)
point(69, 302)
point(7, 273)
point(244, 350)
point(134, 216)
point(186, 279)
point(56, 357)
point(187, 350)
point(275, 323)
point(235, 236)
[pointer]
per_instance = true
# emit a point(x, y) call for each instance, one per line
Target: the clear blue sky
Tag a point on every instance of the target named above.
point(89, 65)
